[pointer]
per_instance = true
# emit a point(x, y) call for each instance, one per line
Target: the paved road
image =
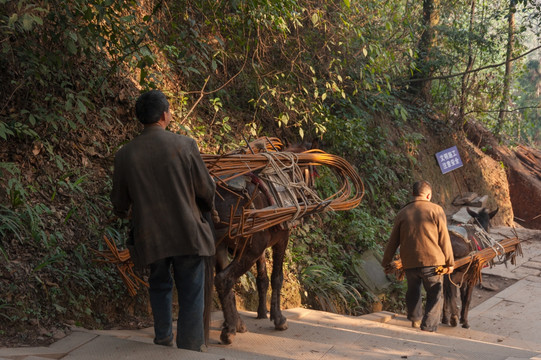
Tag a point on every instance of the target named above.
point(504, 327)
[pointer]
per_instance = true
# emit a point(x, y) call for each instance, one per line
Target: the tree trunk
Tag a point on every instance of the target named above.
point(421, 84)
point(469, 66)
point(508, 63)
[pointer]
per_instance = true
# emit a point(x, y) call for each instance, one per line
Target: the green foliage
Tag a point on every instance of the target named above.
point(394, 298)
point(465, 43)
point(337, 71)
point(62, 281)
point(383, 169)
point(255, 39)
point(87, 43)
point(329, 246)
point(325, 254)
point(20, 219)
point(528, 126)
point(328, 290)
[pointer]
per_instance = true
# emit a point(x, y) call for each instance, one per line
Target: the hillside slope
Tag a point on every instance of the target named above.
point(110, 307)
point(329, 72)
point(523, 171)
point(480, 173)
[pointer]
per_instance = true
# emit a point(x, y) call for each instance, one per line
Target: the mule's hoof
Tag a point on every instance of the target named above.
point(261, 315)
point(282, 325)
point(466, 326)
point(454, 321)
point(241, 326)
point(226, 338)
point(445, 321)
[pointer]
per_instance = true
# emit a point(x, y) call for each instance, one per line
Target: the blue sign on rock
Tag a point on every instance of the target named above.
point(449, 160)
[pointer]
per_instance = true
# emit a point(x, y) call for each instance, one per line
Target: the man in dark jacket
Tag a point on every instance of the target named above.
point(161, 182)
point(420, 229)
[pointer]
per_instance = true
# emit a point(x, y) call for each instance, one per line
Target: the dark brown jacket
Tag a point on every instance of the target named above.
point(420, 229)
point(162, 177)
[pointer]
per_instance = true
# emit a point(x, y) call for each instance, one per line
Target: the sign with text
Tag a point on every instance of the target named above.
point(449, 160)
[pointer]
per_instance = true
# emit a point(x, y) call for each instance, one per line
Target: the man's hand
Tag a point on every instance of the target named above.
point(215, 216)
point(442, 270)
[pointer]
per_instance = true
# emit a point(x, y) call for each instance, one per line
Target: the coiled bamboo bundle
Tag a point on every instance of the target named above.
point(225, 168)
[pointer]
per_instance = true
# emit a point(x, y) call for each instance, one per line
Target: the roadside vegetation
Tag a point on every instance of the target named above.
point(366, 80)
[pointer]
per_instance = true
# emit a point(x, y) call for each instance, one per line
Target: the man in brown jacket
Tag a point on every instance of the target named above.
point(420, 229)
point(161, 182)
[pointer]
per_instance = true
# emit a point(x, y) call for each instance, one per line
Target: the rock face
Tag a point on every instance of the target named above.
point(523, 169)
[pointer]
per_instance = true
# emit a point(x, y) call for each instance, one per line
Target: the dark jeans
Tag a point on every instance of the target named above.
point(189, 275)
point(432, 283)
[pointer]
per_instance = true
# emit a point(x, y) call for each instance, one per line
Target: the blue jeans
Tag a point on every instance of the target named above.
point(433, 285)
point(189, 275)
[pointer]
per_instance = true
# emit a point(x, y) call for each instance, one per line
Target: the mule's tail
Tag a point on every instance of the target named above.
point(209, 282)
point(209, 285)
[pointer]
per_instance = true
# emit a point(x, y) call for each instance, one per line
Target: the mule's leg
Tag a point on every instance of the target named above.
point(450, 297)
point(278, 252)
point(227, 299)
point(228, 302)
point(222, 262)
point(221, 258)
point(226, 279)
point(262, 281)
point(466, 293)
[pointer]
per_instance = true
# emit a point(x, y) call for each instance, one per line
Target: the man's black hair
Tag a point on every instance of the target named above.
point(421, 187)
point(150, 106)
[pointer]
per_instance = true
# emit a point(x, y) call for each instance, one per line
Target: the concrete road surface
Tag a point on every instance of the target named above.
point(507, 327)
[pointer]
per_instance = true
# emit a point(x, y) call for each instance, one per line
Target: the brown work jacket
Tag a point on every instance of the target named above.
point(420, 229)
point(161, 177)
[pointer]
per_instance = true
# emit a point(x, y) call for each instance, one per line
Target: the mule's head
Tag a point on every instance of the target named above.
point(483, 216)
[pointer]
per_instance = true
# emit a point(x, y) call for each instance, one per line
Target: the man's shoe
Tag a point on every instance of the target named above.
point(168, 341)
point(416, 324)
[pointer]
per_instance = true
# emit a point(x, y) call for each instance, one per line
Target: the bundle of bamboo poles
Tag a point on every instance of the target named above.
point(123, 263)
point(227, 167)
point(476, 261)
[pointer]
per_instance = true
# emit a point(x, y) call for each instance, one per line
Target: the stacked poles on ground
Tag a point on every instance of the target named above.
point(124, 265)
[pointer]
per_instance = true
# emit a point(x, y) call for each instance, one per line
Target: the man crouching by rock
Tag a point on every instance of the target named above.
point(420, 229)
point(161, 181)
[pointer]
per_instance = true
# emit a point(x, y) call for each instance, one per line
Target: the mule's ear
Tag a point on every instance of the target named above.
point(491, 214)
point(315, 143)
point(472, 213)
